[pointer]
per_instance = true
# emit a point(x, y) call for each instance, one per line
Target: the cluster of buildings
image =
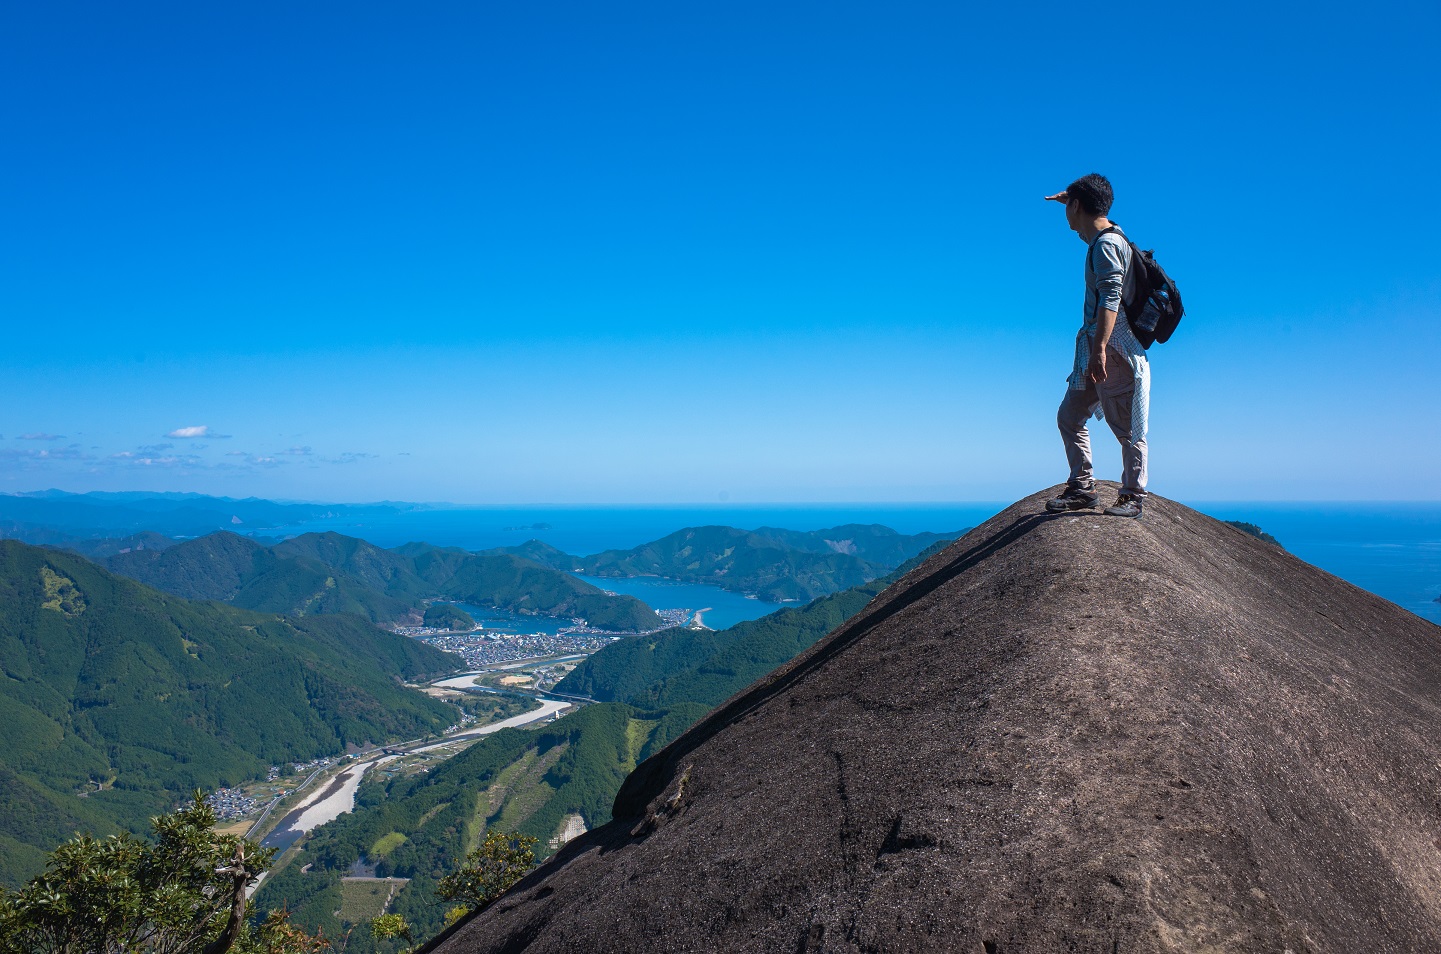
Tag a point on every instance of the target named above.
point(302, 768)
point(422, 632)
point(231, 803)
point(466, 721)
point(484, 649)
point(673, 617)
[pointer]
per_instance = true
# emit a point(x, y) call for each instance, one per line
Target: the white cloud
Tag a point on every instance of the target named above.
point(197, 430)
point(41, 437)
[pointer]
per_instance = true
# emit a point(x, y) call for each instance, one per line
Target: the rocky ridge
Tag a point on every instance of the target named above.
point(1062, 733)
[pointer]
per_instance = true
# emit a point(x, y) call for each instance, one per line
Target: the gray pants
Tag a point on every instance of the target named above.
point(1124, 399)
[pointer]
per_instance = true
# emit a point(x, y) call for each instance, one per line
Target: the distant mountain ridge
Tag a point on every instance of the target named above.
point(113, 684)
point(321, 573)
point(771, 563)
point(60, 518)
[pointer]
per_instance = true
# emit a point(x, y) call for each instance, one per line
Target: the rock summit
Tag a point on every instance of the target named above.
point(1066, 732)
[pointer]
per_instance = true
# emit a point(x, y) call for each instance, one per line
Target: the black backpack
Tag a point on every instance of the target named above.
point(1150, 301)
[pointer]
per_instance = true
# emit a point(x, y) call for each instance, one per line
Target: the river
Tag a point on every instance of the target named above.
point(337, 797)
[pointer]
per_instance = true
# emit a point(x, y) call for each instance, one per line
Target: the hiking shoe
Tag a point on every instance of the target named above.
point(1127, 505)
point(1074, 498)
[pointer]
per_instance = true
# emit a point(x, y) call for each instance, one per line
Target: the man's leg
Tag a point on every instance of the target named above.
point(1125, 397)
point(1075, 408)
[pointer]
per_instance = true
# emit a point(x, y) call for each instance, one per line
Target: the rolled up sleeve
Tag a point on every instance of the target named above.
point(1110, 271)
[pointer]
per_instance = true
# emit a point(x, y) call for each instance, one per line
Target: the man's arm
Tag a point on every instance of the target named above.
point(1110, 273)
point(1105, 324)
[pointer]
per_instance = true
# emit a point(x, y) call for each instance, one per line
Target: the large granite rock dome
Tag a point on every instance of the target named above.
point(1064, 733)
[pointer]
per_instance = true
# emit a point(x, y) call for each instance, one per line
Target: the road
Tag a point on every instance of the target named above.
point(338, 797)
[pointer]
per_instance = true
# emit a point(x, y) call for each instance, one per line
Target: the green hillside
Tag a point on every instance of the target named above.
point(705, 668)
point(364, 562)
point(686, 665)
point(522, 586)
point(446, 616)
point(420, 826)
point(134, 698)
point(542, 553)
point(234, 569)
point(212, 567)
point(770, 563)
point(326, 573)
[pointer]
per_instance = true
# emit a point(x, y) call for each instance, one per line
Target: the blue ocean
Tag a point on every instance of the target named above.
point(1392, 550)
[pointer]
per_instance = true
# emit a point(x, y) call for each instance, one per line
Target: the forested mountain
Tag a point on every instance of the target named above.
point(379, 569)
point(523, 586)
point(697, 666)
point(420, 826)
point(541, 552)
point(770, 563)
point(234, 569)
point(448, 616)
point(322, 573)
point(134, 697)
point(213, 567)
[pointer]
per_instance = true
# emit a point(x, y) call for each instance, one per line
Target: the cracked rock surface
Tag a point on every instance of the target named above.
point(1066, 732)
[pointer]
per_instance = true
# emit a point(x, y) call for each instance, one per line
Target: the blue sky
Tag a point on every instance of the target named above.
point(509, 253)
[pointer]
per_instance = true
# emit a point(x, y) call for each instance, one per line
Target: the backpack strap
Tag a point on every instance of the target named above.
point(1097, 241)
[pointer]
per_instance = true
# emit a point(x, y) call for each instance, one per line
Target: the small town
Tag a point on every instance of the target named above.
point(231, 803)
point(487, 649)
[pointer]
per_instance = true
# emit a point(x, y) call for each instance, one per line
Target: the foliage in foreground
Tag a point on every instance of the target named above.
point(182, 893)
point(489, 871)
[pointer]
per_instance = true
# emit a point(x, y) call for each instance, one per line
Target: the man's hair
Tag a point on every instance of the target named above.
point(1093, 192)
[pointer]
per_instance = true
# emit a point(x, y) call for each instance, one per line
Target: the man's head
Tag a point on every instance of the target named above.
point(1088, 198)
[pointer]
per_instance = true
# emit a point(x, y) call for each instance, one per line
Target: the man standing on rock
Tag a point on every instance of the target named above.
point(1111, 376)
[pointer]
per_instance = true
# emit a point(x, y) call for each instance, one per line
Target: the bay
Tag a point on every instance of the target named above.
point(1390, 549)
point(723, 608)
point(512, 624)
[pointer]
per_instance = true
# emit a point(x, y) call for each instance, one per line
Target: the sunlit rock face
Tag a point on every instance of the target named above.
point(1066, 732)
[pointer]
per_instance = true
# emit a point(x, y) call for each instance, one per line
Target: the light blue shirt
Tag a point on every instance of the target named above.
point(1106, 265)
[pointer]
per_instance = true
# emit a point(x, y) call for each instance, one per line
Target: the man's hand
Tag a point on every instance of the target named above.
point(1096, 368)
point(1060, 197)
